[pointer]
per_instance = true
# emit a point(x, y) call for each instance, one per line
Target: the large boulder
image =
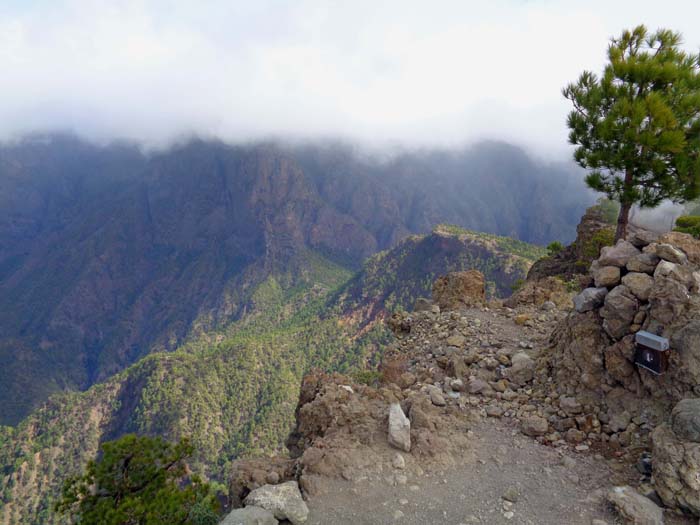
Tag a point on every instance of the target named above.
point(589, 299)
point(676, 466)
point(399, 428)
point(635, 508)
point(685, 420)
point(250, 516)
point(618, 311)
point(617, 255)
point(686, 242)
point(639, 284)
point(605, 276)
point(459, 290)
point(643, 263)
point(667, 253)
point(522, 370)
point(283, 500)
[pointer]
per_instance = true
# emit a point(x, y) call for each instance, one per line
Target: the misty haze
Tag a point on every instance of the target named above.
point(316, 262)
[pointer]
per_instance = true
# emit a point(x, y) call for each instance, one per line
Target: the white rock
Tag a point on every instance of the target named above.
point(399, 428)
point(250, 516)
point(283, 500)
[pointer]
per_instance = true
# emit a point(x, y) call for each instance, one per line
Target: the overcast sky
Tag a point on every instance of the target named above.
point(409, 72)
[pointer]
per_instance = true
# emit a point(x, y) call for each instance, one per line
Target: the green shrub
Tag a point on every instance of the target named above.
point(554, 247)
point(688, 224)
point(368, 377)
point(517, 285)
point(606, 237)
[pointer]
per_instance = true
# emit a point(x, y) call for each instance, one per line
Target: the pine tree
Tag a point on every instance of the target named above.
point(139, 480)
point(637, 127)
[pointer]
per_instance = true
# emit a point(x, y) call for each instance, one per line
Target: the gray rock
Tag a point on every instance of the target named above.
point(681, 274)
point(478, 386)
point(617, 255)
point(619, 308)
point(619, 421)
point(685, 420)
point(643, 263)
point(457, 340)
point(534, 426)
point(641, 238)
point(522, 370)
point(667, 252)
point(423, 305)
point(589, 299)
point(570, 405)
point(634, 507)
point(548, 306)
point(399, 428)
point(436, 396)
point(606, 276)
point(676, 464)
point(250, 516)
point(283, 500)
point(639, 284)
point(686, 342)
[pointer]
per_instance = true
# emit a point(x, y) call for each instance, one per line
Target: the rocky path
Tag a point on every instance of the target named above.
point(507, 478)
point(504, 477)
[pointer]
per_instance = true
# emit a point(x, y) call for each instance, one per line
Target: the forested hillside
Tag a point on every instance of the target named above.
point(233, 390)
point(109, 253)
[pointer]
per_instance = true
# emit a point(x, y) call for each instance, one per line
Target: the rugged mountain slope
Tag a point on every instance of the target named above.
point(108, 254)
point(233, 389)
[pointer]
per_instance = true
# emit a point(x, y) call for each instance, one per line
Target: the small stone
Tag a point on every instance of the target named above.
point(570, 405)
point(509, 515)
point(522, 370)
point(521, 319)
point(620, 421)
point(494, 411)
point(548, 306)
point(398, 515)
point(534, 426)
point(406, 380)
point(398, 461)
point(569, 463)
point(437, 398)
point(511, 494)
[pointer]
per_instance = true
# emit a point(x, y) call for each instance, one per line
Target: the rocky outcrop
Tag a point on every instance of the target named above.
point(284, 501)
point(592, 233)
point(537, 292)
point(459, 290)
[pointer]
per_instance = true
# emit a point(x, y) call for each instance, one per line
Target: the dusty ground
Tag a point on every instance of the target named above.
point(550, 490)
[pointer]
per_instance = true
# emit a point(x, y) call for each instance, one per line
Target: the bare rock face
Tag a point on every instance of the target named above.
point(250, 474)
point(676, 466)
point(635, 508)
point(459, 290)
point(618, 310)
point(399, 428)
point(618, 255)
point(283, 500)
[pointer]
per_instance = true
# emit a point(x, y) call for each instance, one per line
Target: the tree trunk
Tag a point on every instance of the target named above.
point(625, 204)
point(622, 221)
